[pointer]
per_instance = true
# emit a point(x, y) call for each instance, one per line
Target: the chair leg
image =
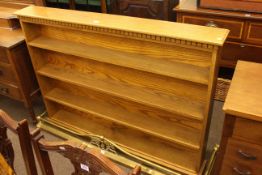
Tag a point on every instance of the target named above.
point(41, 155)
point(26, 147)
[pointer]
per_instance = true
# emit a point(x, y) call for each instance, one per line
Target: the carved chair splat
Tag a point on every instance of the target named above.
point(86, 161)
point(6, 149)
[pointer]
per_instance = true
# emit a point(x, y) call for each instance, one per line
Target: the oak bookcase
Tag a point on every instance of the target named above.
point(145, 85)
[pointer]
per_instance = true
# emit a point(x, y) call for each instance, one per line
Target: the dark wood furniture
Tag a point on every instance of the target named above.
point(236, 5)
point(245, 38)
point(241, 144)
point(17, 78)
point(86, 161)
point(7, 19)
point(6, 149)
point(161, 9)
point(5, 169)
point(74, 5)
point(140, 86)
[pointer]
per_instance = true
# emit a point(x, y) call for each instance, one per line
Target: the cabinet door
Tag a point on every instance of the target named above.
point(154, 9)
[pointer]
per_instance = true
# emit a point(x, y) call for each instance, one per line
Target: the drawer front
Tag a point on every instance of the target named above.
point(243, 151)
point(235, 26)
point(6, 73)
point(254, 33)
point(232, 52)
point(231, 166)
point(4, 23)
point(249, 130)
point(3, 55)
point(10, 91)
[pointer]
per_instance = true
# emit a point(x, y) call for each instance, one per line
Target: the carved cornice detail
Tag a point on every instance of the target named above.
point(116, 32)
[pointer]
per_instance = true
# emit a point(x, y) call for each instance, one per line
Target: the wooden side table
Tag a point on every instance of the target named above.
point(17, 77)
point(241, 144)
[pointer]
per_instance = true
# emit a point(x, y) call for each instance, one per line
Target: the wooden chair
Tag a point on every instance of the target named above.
point(86, 161)
point(6, 149)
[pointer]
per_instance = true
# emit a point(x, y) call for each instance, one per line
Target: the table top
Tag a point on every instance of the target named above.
point(244, 98)
point(7, 9)
point(10, 38)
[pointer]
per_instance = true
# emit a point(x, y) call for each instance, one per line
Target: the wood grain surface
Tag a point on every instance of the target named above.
point(149, 89)
point(146, 26)
point(244, 98)
point(9, 38)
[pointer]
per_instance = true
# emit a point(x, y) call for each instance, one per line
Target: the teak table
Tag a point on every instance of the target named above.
point(241, 145)
point(17, 78)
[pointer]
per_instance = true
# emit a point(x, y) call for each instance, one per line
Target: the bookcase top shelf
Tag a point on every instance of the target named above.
point(171, 30)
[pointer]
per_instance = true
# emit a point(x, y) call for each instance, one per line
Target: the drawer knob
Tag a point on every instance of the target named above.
point(241, 172)
point(211, 24)
point(4, 90)
point(1, 72)
point(246, 155)
point(242, 45)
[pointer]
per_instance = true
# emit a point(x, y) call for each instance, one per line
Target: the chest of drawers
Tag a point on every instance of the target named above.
point(17, 79)
point(7, 19)
point(244, 41)
point(241, 144)
point(161, 9)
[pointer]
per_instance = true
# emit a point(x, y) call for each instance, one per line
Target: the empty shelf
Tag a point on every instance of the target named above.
point(126, 137)
point(153, 98)
point(135, 61)
point(182, 135)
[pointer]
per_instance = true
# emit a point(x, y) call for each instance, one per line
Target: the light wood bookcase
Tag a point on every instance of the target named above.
point(145, 85)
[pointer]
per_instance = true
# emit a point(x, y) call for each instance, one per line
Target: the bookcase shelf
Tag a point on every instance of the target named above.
point(118, 115)
point(140, 95)
point(120, 132)
point(141, 62)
